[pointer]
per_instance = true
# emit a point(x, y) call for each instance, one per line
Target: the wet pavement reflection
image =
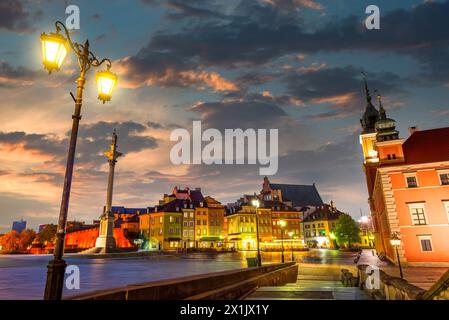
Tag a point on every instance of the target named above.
point(23, 276)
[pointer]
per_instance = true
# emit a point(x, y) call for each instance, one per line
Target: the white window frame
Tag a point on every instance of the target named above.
point(446, 208)
point(439, 173)
point(414, 174)
point(425, 238)
point(418, 205)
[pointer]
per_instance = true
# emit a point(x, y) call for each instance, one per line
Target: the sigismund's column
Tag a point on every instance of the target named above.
point(106, 240)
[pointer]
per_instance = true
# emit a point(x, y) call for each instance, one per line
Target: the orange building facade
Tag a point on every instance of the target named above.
point(85, 239)
point(408, 186)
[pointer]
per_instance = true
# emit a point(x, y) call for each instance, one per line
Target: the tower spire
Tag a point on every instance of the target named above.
point(371, 114)
point(382, 112)
point(368, 96)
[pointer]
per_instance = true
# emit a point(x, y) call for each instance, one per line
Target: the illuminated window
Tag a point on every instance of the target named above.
point(417, 213)
point(426, 243)
point(411, 180)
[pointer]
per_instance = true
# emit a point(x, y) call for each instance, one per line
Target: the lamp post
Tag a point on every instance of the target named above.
point(256, 204)
point(291, 237)
point(282, 224)
point(55, 48)
point(332, 236)
point(396, 242)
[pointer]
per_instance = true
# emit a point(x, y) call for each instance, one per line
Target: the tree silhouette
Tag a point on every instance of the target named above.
point(48, 234)
point(10, 242)
point(347, 230)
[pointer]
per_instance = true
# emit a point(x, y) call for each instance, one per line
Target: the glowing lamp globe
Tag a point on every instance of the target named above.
point(255, 203)
point(282, 223)
point(290, 234)
point(364, 219)
point(106, 82)
point(54, 50)
point(395, 242)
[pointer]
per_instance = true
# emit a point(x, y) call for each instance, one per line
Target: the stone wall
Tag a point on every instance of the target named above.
point(220, 285)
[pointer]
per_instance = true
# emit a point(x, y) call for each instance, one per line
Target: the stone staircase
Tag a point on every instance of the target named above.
point(313, 283)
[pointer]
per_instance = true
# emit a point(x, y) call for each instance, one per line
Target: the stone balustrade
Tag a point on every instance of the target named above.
point(389, 287)
point(440, 290)
point(348, 279)
point(234, 284)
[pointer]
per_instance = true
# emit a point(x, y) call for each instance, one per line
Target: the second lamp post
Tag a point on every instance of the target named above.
point(256, 203)
point(282, 223)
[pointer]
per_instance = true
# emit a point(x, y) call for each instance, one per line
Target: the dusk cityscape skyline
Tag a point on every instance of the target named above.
point(291, 65)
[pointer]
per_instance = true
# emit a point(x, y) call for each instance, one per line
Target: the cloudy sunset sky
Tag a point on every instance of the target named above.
point(293, 65)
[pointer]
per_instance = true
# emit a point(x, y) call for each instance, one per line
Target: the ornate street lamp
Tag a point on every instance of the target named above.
point(396, 242)
point(256, 203)
point(290, 234)
point(282, 223)
point(55, 47)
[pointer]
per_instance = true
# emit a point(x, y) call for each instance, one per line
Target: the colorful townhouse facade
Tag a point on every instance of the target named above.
point(279, 224)
point(183, 220)
point(408, 187)
point(319, 226)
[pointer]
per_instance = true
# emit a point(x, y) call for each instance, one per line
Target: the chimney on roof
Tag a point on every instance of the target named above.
point(412, 130)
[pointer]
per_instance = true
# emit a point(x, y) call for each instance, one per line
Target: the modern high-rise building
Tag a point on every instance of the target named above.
point(19, 226)
point(408, 187)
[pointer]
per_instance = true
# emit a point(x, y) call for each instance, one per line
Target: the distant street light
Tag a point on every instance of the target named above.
point(364, 219)
point(55, 48)
point(396, 242)
point(282, 223)
point(256, 203)
point(290, 234)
